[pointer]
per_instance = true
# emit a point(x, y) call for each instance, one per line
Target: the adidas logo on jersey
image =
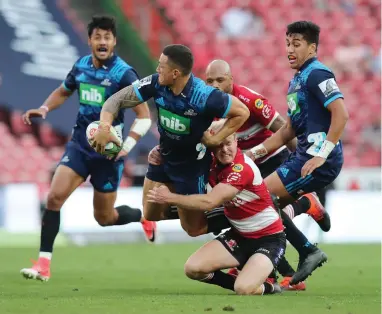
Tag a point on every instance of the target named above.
point(108, 186)
point(160, 101)
point(65, 159)
point(106, 82)
point(284, 172)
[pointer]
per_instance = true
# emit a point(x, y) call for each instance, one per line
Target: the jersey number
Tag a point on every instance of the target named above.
point(201, 149)
point(317, 139)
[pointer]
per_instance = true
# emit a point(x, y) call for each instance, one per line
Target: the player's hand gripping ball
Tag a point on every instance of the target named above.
point(113, 147)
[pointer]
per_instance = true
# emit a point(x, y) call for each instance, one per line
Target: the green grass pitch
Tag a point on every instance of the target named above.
point(149, 279)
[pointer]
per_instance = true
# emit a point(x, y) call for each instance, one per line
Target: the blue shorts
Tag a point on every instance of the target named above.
point(290, 175)
point(183, 184)
point(105, 175)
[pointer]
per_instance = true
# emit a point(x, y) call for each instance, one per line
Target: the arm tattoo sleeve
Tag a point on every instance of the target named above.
point(125, 98)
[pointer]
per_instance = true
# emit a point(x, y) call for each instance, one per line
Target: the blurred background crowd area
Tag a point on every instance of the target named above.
point(43, 39)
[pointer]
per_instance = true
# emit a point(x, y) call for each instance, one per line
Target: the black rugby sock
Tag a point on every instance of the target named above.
point(296, 237)
point(301, 206)
point(221, 279)
point(172, 213)
point(127, 214)
point(217, 221)
point(268, 288)
point(284, 268)
point(50, 226)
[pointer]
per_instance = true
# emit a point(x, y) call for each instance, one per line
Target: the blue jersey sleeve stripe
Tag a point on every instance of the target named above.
point(228, 106)
point(138, 93)
point(331, 99)
point(67, 88)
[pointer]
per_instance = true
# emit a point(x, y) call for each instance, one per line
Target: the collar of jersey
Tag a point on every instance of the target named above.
point(187, 88)
point(107, 63)
point(307, 62)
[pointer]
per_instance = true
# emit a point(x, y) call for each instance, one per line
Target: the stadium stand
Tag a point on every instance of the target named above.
point(259, 63)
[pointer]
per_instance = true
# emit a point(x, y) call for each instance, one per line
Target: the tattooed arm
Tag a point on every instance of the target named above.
point(125, 98)
point(128, 97)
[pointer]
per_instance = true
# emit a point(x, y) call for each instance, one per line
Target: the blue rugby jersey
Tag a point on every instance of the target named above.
point(310, 91)
point(182, 119)
point(94, 86)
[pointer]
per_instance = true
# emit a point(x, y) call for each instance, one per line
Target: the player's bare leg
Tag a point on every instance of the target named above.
point(251, 280)
point(64, 182)
point(310, 256)
point(193, 222)
point(276, 187)
point(310, 204)
point(154, 211)
point(206, 263)
point(106, 215)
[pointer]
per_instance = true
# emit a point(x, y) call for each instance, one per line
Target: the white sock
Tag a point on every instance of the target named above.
point(289, 211)
point(208, 277)
point(47, 255)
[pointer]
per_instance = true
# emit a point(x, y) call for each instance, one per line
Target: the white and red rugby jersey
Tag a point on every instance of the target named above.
point(256, 129)
point(251, 212)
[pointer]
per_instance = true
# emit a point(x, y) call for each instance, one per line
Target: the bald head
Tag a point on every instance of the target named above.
point(219, 66)
point(218, 74)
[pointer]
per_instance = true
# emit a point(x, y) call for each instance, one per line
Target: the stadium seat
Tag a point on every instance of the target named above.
point(261, 64)
point(47, 135)
point(17, 124)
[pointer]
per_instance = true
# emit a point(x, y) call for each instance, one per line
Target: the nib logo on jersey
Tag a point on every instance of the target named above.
point(292, 100)
point(92, 95)
point(173, 122)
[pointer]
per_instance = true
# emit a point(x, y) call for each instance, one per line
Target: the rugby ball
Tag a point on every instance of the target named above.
point(111, 149)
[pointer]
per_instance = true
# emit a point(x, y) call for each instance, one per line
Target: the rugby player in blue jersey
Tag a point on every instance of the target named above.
point(317, 117)
point(186, 108)
point(96, 77)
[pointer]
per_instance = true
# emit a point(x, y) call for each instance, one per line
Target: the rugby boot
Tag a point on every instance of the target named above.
point(318, 212)
point(39, 271)
point(150, 229)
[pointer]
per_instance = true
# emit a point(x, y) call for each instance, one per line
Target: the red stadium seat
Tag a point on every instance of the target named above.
point(47, 135)
point(17, 124)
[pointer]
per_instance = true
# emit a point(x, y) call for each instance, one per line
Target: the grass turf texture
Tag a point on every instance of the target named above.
point(149, 279)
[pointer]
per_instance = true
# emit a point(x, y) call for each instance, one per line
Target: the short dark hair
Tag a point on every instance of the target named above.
point(181, 56)
point(309, 31)
point(107, 23)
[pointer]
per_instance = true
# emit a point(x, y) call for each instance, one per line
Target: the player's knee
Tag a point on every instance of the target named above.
point(193, 269)
point(55, 200)
point(104, 219)
point(244, 288)
point(194, 231)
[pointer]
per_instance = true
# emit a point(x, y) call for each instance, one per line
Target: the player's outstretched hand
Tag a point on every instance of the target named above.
point(159, 195)
point(154, 157)
point(103, 136)
point(312, 165)
point(209, 139)
point(34, 113)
